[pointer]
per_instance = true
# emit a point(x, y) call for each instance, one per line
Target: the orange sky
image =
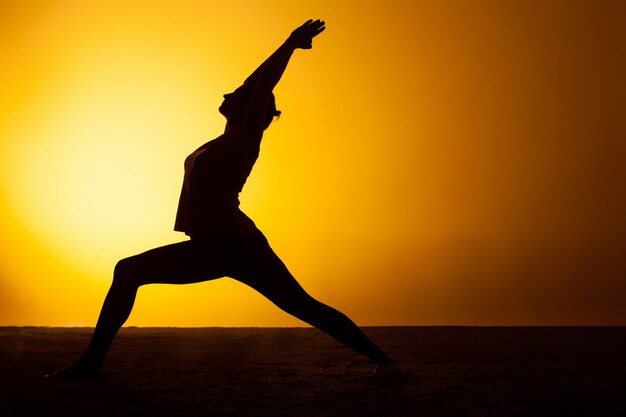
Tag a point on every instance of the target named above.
point(435, 163)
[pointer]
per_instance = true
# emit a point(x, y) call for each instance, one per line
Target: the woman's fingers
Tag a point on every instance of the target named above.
point(317, 24)
point(304, 34)
point(307, 23)
point(313, 25)
point(319, 30)
point(316, 27)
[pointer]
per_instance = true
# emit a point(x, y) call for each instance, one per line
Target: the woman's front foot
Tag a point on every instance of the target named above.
point(81, 369)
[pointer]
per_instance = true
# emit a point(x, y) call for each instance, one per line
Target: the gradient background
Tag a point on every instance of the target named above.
point(436, 162)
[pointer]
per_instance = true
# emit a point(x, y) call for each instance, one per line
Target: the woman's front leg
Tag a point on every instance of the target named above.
point(179, 263)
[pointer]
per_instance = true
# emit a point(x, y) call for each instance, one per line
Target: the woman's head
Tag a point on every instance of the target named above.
point(235, 104)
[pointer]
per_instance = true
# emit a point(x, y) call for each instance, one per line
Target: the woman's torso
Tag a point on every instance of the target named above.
point(214, 176)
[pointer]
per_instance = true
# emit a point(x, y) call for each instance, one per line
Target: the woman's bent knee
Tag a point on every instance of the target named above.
point(123, 274)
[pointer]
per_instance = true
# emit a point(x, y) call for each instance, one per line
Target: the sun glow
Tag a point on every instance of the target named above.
point(95, 150)
point(434, 164)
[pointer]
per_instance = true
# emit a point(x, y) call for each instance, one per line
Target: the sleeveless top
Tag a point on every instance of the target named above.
point(214, 176)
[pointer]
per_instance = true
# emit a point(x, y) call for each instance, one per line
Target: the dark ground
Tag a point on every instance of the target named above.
point(446, 371)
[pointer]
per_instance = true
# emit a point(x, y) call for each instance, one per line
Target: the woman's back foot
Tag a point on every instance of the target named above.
point(383, 369)
point(388, 374)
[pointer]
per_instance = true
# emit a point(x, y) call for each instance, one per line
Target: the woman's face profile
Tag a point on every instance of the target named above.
point(234, 103)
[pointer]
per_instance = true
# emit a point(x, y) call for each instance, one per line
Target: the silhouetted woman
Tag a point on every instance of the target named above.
point(223, 240)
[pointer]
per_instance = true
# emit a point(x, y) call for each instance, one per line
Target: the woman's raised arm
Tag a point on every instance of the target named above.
point(271, 70)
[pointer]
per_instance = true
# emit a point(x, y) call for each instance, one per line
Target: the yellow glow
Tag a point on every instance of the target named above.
point(434, 164)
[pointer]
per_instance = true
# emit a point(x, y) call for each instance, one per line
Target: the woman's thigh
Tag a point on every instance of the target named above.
point(266, 273)
point(178, 263)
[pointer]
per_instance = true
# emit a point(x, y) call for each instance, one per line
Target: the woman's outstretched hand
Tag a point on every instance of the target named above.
point(303, 36)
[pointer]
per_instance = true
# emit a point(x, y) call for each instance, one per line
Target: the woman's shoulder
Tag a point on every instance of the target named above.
point(240, 142)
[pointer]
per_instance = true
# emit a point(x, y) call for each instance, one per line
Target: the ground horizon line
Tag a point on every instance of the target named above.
point(310, 327)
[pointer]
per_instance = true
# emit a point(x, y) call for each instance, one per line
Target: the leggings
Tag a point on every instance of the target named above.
point(248, 259)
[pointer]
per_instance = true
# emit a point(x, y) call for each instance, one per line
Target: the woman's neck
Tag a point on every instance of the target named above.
point(230, 127)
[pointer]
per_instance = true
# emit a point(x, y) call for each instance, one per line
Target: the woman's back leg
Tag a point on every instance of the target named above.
point(268, 275)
